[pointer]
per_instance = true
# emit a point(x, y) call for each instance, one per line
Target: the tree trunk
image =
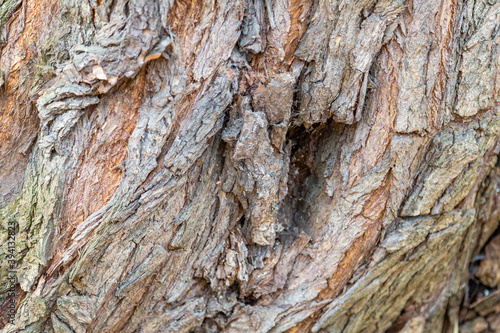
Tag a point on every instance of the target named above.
point(248, 165)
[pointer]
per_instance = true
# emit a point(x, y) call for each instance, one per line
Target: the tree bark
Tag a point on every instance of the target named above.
point(246, 165)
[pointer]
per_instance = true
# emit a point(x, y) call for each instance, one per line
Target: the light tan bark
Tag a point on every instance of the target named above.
point(248, 165)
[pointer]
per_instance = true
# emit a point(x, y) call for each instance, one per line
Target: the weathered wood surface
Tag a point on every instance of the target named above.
point(247, 165)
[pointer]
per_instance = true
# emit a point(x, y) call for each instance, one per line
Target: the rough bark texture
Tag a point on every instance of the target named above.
point(249, 165)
